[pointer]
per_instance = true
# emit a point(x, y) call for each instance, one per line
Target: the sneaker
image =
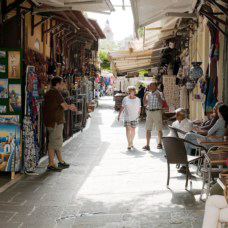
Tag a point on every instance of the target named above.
point(146, 147)
point(54, 168)
point(159, 146)
point(63, 165)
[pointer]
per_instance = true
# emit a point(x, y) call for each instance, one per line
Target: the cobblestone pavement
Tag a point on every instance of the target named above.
point(106, 185)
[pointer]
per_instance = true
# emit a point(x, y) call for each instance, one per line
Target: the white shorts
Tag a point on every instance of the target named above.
point(154, 118)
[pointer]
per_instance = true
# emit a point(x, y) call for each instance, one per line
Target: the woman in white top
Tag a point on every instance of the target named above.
point(131, 106)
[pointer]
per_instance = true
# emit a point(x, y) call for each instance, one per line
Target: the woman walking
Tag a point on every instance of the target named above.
point(131, 106)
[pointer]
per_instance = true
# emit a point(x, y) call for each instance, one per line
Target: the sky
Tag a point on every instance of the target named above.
point(121, 21)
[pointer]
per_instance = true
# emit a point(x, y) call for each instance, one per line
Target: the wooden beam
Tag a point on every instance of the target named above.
point(52, 28)
point(46, 10)
point(12, 6)
point(61, 30)
point(75, 41)
point(90, 33)
point(65, 35)
point(214, 18)
point(70, 20)
point(219, 7)
point(214, 24)
point(182, 15)
point(42, 22)
point(32, 24)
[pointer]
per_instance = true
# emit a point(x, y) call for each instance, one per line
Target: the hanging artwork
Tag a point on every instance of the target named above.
point(9, 119)
point(2, 108)
point(2, 54)
point(15, 98)
point(3, 88)
point(32, 81)
point(2, 68)
point(10, 156)
point(14, 64)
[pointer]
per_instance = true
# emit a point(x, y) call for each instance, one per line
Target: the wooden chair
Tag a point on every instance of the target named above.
point(176, 154)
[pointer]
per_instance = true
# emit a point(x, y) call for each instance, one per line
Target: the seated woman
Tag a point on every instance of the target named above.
point(217, 130)
point(216, 211)
point(208, 124)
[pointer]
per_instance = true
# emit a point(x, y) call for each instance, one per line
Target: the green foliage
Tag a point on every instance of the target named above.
point(141, 32)
point(105, 63)
point(142, 72)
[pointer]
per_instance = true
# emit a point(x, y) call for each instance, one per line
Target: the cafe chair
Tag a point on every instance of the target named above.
point(176, 154)
point(175, 131)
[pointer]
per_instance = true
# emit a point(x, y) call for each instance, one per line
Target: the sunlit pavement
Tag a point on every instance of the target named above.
point(106, 185)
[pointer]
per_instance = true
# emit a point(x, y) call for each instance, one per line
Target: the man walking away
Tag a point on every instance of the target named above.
point(153, 100)
point(54, 107)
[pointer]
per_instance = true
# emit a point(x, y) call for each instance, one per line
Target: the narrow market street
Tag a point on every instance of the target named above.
point(105, 186)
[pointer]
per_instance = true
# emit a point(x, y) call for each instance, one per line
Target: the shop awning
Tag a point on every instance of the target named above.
point(157, 32)
point(148, 11)
point(126, 61)
point(99, 6)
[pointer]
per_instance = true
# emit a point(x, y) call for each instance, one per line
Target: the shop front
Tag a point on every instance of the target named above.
point(35, 46)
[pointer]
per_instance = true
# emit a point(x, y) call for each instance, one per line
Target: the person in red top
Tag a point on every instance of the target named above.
point(54, 107)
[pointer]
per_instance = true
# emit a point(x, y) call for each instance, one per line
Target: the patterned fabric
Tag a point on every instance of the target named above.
point(30, 157)
point(132, 124)
point(153, 102)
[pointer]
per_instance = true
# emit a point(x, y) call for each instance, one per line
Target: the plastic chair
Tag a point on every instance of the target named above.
point(176, 154)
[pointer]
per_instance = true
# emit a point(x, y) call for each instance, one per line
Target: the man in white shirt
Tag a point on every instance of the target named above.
point(182, 123)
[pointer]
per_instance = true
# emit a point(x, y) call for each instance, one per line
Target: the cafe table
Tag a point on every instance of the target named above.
point(214, 162)
point(213, 140)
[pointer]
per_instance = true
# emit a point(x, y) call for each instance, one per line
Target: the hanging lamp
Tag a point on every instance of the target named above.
point(196, 71)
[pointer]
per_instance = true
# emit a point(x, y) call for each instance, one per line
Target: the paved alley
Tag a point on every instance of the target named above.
point(105, 187)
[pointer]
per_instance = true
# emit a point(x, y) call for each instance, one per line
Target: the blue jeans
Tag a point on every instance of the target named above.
point(192, 137)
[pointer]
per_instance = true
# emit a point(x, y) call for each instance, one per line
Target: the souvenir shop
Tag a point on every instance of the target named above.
point(42, 46)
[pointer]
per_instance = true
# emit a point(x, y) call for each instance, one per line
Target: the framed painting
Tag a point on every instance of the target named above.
point(15, 98)
point(14, 64)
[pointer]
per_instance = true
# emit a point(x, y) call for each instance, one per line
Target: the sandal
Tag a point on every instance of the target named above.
point(159, 146)
point(54, 168)
point(146, 147)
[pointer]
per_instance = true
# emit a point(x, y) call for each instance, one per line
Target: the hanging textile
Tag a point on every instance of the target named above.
point(29, 145)
point(212, 90)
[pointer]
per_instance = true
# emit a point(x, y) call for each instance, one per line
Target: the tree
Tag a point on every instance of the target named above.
point(105, 63)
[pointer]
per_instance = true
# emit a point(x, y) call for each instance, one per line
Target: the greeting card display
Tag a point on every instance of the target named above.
point(2, 54)
point(2, 108)
point(3, 88)
point(15, 98)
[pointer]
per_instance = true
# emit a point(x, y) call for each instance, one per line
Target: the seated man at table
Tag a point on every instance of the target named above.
point(181, 123)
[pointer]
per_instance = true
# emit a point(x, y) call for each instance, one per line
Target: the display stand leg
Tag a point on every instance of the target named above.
point(12, 175)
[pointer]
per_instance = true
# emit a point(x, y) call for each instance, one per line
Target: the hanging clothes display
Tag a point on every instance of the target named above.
point(29, 145)
point(212, 90)
point(30, 126)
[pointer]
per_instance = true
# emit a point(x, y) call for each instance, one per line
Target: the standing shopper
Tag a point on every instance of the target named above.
point(54, 107)
point(153, 100)
point(131, 107)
